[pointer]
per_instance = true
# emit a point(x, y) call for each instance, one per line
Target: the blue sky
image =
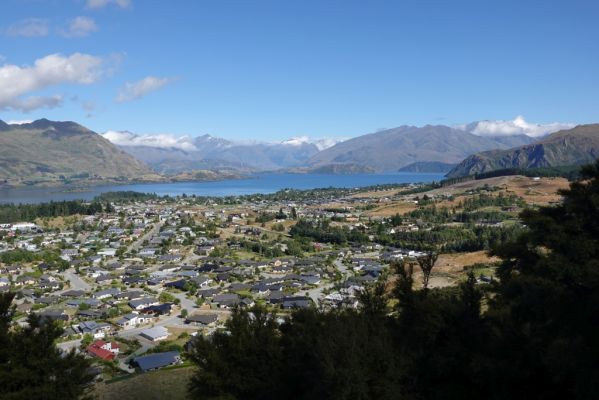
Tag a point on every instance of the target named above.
point(269, 70)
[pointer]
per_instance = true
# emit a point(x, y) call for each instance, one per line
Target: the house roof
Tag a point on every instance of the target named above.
point(204, 319)
point(155, 332)
point(97, 350)
point(156, 360)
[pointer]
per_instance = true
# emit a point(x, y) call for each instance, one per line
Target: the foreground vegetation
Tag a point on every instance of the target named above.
point(532, 334)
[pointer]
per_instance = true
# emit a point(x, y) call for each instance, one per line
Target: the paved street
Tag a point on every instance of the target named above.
point(76, 283)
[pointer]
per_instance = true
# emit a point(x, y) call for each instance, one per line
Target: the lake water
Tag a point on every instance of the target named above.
point(260, 183)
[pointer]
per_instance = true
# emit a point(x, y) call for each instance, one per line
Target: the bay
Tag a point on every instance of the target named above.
point(259, 183)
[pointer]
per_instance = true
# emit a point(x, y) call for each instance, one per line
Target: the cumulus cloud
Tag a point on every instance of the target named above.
point(137, 90)
point(29, 27)
point(125, 138)
point(16, 82)
point(104, 3)
point(80, 27)
point(517, 126)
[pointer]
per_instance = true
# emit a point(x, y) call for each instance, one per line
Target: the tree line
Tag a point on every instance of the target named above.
point(30, 212)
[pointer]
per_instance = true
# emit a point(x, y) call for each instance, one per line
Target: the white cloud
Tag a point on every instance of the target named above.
point(321, 144)
point(80, 27)
point(34, 102)
point(125, 138)
point(517, 126)
point(325, 143)
point(137, 90)
point(104, 3)
point(29, 27)
point(54, 69)
point(19, 121)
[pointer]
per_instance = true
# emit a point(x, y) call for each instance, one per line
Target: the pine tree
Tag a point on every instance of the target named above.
point(31, 366)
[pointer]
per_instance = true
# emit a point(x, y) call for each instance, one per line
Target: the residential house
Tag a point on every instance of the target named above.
point(104, 350)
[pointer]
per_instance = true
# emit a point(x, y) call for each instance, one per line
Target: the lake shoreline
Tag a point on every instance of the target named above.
point(251, 184)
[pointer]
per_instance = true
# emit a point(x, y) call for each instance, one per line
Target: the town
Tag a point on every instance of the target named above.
point(135, 281)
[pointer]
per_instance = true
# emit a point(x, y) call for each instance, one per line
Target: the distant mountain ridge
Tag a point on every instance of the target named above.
point(392, 149)
point(46, 151)
point(215, 153)
point(576, 146)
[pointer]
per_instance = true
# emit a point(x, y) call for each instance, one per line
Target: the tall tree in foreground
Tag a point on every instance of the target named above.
point(31, 367)
point(546, 311)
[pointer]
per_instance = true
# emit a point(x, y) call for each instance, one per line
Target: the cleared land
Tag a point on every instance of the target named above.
point(156, 385)
point(541, 191)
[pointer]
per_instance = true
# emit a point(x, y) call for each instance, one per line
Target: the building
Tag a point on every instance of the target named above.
point(156, 360)
point(201, 319)
point(155, 334)
point(104, 350)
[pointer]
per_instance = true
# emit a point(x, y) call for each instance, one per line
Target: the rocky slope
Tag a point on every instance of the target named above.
point(576, 146)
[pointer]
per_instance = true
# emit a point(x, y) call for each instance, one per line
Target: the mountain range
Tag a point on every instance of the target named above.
point(576, 146)
point(209, 152)
point(392, 149)
point(51, 152)
point(387, 150)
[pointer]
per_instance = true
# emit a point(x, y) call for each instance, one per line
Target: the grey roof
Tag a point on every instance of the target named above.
point(204, 319)
point(107, 292)
point(156, 360)
point(155, 332)
point(143, 301)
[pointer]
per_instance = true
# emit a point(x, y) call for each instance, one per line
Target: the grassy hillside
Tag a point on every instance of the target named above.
point(53, 152)
point(170, 383)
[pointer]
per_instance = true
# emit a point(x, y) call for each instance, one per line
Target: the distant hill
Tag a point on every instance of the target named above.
point(576, 146)
point(428, 166)
point(395, 148)
point(52, 152)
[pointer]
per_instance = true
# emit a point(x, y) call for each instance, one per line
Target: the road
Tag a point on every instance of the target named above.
point(147, 236)
point(317, 294)
point(76, 283)
point(186, 303)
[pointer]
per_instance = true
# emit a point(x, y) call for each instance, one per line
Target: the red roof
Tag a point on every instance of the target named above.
point(97, 350)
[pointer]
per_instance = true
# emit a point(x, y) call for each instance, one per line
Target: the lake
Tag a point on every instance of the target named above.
point(259, 183)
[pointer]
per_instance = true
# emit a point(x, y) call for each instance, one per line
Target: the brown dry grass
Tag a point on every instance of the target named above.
point(449, 268)
point(540, 192)
point(455, 262)
point(162, 384)
point(392, 209)
point(376, 194)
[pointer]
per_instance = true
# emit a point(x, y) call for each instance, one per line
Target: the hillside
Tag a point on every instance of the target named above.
point(576, 146)
point(427, 166)
point(395, 148)
point(50, 152)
